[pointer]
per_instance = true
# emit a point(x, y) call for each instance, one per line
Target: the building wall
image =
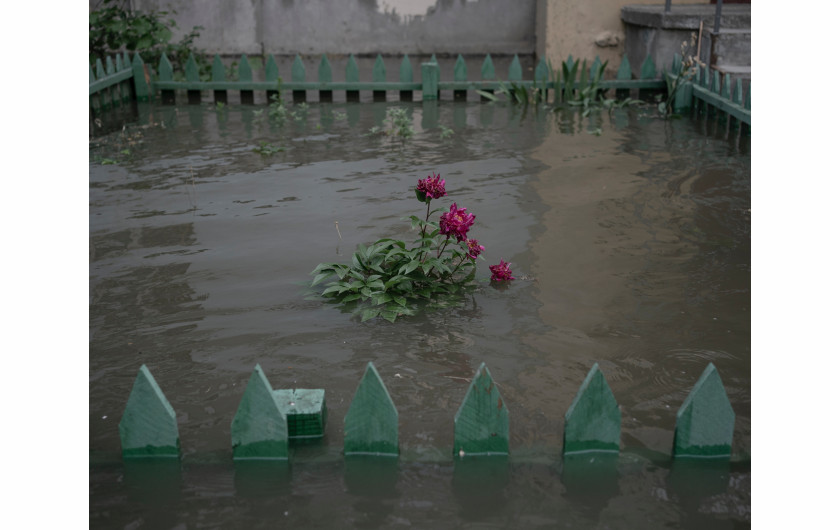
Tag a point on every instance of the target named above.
point(585, 29)
point(312, 27)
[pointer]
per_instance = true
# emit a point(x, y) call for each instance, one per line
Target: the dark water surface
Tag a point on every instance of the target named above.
point(633, 238)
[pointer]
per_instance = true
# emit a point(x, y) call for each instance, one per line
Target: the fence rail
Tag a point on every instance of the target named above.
point(109, 86)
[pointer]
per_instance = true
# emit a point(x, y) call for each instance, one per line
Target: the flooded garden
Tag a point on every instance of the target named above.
point(628, 237)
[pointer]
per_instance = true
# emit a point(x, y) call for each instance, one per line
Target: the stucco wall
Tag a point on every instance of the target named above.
point(310, 27)
point(585, 29)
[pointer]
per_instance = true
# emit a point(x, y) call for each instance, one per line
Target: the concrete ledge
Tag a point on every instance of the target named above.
point(687, 16)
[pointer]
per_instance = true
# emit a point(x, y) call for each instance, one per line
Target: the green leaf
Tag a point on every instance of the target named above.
point(408, 268)
point(488, 95)
point(376, 284)
point(321, 277)
point(333, 289)
point(390, 316)
point(400, 300)
point(350, 298)
point(370, 313)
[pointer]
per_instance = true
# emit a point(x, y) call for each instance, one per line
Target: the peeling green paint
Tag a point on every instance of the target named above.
point(481, 424)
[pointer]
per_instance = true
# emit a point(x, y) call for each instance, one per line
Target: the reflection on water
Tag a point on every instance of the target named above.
point(630, 237)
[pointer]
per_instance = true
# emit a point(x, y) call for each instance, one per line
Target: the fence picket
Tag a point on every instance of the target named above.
point(351, 75)
point(246, 97)
point(325, 76)
point(648, 70)
point(379, 77)
point(515, 69)
point(488, 72)
point(593, 420)
point(541, 71)
point(625, 73)
point(298, 76)
point(165, 73)
point(431, 76)
point(272, 75)
point(142, 90)
point(706, 420)
point(371, 426)
point(596, 65)
point(481, 423)
point(406, 76)
point(460, 75)
point(100, 70)
point(148, 426)
point(109, 65)
point(259, 429)
point(217, 75)
point(738, 95)
point(91, 77)
point(192, 76)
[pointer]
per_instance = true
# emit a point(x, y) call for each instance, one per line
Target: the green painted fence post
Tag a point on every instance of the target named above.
point(379, 77)
point(624, 74)
point(593, 421)
point(647, 71)
point(272, 75)
point(351, 75)
point(167, 97)
point(515, 69)
point(488, 73)
point(100, 73)
point(191, 75)
point(126, 87)
point(406, 76)
point(738, 95)
point(460, 74)
point(148, 426)
point(298, 76)
point(325, 76)
point(705, 421)
point(142, 90)
point(541, 71)
point(481, 424)
point(431, 78)
point(259, 429)
point(371, 425)
point(218, 75)
point(246, 97)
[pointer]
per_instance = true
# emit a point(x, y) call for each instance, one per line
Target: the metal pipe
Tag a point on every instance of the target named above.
point(718, 8)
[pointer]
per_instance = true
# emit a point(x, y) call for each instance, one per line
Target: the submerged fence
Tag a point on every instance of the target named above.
point(266, 420)
point(120, 81)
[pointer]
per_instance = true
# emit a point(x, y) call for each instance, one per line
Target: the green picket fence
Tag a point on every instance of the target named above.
point(111, 84)
point(107, 87)
point(267, 419)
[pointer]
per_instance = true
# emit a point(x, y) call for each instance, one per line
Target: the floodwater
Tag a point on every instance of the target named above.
point(630, 240)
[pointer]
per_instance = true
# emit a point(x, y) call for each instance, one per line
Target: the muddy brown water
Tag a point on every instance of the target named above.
point(630, 238)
